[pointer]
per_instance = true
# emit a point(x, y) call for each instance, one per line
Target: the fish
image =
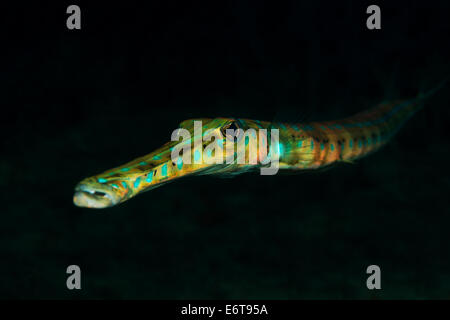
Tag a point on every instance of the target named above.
point(301, 146)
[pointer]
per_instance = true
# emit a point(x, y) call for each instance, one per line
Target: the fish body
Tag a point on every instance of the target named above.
point(302, 146)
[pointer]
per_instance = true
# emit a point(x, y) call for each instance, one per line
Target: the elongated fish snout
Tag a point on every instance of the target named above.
point(92, 197)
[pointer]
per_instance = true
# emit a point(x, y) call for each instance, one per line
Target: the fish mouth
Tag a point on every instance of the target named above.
point(94, 196)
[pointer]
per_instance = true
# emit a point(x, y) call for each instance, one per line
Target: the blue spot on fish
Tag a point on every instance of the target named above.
point(300, 143)
point(312, 144)
point(149, 177)
point(101, 180)
point(125, 169)
point(322, 146)
point(197, 155)
point(115, 185)
point(157, 158)
point(137, 182)
point(332, 147)
point(124, 184)
point(351, 143)
point(164, 170)
point(359, 143)
point(143, 163)
point(179, 163)
point(280, 148)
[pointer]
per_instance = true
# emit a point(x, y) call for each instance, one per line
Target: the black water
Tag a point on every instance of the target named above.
point(75, 103)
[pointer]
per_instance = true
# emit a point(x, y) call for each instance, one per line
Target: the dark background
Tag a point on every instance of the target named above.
point(75, 103)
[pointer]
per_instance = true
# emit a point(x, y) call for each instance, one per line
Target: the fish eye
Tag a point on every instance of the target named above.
point(232, 126)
